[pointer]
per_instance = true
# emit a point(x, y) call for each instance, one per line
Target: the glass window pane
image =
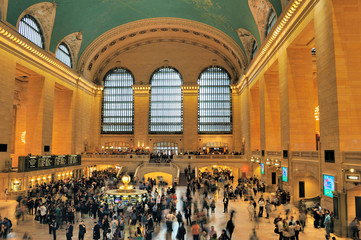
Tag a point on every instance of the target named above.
point(30, 29)
point(166, 114)
point(118, 107)
point(214, 101)
point(63, 54)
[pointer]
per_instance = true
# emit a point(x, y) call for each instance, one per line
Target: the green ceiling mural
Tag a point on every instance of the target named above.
point(94, 17)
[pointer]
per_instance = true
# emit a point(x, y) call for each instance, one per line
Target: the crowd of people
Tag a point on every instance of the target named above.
point(66, 203)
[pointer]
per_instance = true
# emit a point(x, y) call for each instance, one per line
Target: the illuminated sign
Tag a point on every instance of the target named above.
point(262, 168)
point(352, 177)
point(284, 174)
point(33, 163)
point(328, 185)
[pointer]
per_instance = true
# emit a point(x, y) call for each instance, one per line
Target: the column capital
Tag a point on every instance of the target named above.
point(190, 89)
point(141, 89)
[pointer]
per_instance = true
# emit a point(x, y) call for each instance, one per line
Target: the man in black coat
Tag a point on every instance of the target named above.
point(96, 231)
point(188, 214)
point(82, 230)
point(54, 227)
point(69, 231)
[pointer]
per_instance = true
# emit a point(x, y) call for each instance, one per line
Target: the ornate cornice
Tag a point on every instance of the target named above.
point(103, 66)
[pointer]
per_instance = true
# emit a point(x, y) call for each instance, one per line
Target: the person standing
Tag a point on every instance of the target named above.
point(188, 214)
point(179, 218)
point(54, 227)
point(82, 230)
point(69, 231)
point(268, 208)
point(261, 206)
point(6, 193)
point(355, 228)
point(327, 224)
point(225, 204)
point(96, 231)
point(223, 235)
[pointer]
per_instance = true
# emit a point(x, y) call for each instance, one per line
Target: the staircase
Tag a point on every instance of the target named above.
point(182, 179)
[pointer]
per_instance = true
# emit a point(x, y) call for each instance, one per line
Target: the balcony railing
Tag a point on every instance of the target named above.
point(305, 155)
point(352, 157)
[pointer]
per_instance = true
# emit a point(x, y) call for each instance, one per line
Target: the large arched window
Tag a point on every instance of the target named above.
point(30, 29)
point(117, 107)
point(272, 19)
point(166, 102)
point(214, 101)
point(63, 54)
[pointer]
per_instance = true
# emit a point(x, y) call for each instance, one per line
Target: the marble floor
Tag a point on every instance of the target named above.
point(243, 226)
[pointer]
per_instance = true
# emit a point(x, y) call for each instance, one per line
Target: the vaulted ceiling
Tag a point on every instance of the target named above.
point(93, 18)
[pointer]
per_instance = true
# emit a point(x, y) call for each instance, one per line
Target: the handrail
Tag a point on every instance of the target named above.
point(178, 172)
point(137, 169)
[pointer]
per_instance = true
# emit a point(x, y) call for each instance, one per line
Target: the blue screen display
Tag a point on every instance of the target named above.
point(284, 174)
point(262, 168)
point(328, 185)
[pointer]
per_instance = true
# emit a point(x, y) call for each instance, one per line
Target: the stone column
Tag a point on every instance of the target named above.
point(190, 117)
point(141, 116)
point(7, 79)
point(236, 118)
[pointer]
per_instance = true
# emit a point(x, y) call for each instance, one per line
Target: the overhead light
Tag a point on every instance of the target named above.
point(352, 170)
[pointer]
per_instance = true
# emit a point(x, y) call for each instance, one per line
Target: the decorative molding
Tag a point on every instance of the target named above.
point(141, 89)
point(247, 39)
point(44, 13)
point(260, 10)
point(173, 26)
point(103, 65)
point(3, 9)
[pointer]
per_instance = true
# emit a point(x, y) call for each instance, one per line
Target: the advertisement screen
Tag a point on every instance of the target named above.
point(262, 168)
point(328, 185)
point(284, 174)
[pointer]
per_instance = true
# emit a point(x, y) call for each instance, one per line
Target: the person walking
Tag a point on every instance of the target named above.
point(230, 228)
point(195, 230)
point(69, 231)
point(82, 230)
point(268, 208)
point(181, 232)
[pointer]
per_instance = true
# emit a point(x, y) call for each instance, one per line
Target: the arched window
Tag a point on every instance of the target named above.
point(117, 107)
point(272, 19)
point(254, 49)
point(166, 114)
point(30, 29)
point(214, 101)
point(63, 54)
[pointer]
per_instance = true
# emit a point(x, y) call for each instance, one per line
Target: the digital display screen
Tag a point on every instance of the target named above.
point(262, 168)
point(328, 185)
point(117, 200)
point(284, 174)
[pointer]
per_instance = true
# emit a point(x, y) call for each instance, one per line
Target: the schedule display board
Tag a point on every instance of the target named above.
point(284, 174)
point(262, 168)
point(34, 163)
point(328, 185)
